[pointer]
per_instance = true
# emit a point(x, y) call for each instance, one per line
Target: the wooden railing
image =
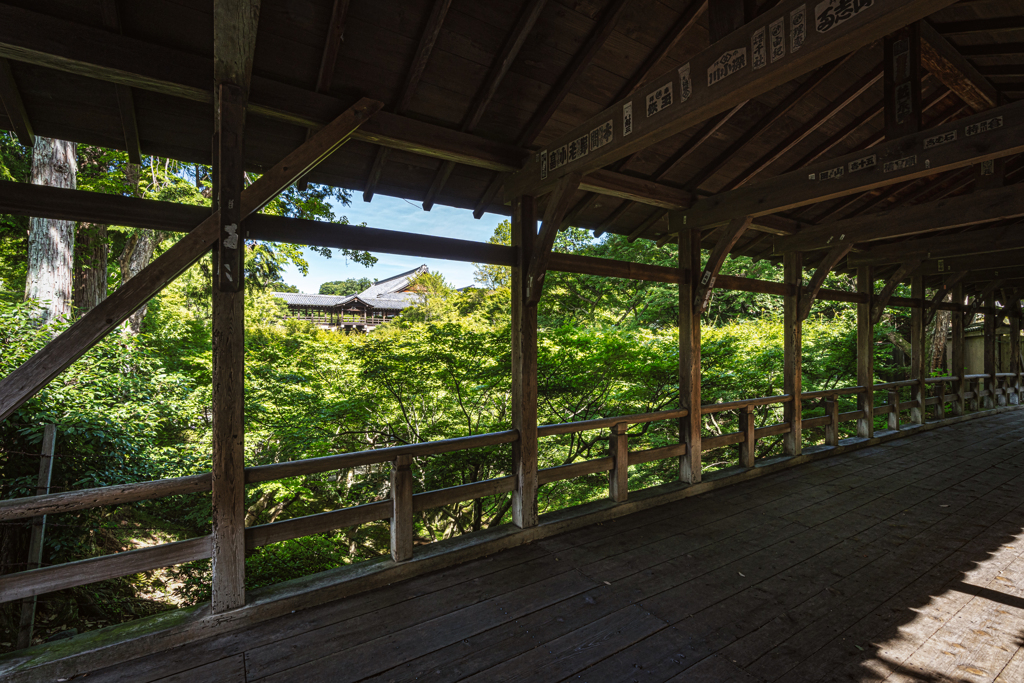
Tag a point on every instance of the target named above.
point(403, 504)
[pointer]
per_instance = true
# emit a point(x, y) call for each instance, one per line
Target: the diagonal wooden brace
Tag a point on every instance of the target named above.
point(882, 298)
point(554, 214)
point(834, 256)
point(728, 238)
point(979, 299)
point(70, 345)
point(944, 289)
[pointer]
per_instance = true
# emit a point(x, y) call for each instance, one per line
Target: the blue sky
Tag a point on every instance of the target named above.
point(390, 213)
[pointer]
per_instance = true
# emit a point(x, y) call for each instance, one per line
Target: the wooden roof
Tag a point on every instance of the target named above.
point(485, 84)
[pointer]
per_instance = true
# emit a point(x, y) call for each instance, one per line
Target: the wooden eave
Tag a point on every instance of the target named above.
point(380, 42)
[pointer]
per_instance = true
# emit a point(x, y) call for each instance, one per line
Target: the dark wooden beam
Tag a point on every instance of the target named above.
point(834, 256)
point(991, 135)
point(979, 304)
point(727, 238)
point(687, 20)
point(66, 348)
point(10, 98)
point(902, 81)
point(428, 39)
point(499, 68)
point(948, 283)
point(572, 73)
point(882, 298)
point(948, 64)
point(1009, 23)
point(332, 45)
point(766, 121)
point(1002, 259)
point(727, 87)
point(982, 241)
point(833, 108)
point(725, 16)
point(234, 40)
point(554, 213)
point(992, 49)
point(965, 210)
point(125, 97)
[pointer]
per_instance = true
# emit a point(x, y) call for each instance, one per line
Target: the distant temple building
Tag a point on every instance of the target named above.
point(378, 304)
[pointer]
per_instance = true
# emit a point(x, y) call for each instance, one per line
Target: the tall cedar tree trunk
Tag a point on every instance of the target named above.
point(138, 252)
point(51, 243)
point(943, 322)
point(90, 267)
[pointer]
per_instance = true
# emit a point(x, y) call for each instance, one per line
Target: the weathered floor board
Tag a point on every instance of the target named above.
point(901, 562)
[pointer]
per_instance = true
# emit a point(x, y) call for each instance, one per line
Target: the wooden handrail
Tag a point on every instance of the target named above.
point(744, 403)
point(602, 422)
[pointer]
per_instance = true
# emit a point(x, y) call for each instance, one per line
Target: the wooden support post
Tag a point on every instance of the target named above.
point(894, 410)
point(917, 350)
point(689, 351)
point(990, 350)
point(524, 365)
point(793, 353)
point(618, 476)
point(866, 353)
point(35, 547)
point(228, 458)
point(1013, 347)
point(902, 59)
point(401, 509)
point(956, 352)
point(832, 428)
point(748, 447)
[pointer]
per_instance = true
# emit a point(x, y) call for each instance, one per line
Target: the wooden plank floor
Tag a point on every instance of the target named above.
point(901, 562)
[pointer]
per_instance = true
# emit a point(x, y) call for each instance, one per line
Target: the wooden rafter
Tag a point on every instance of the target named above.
point(796, 137)
point(954, 71)
point(412, 80)
point(687, 20)
point(903, 271)
point(572, 73)
point(727, 238)
point(125, 97)
point(979, 300)
point(10, 98)
point(810, 293)
point(986, 240)
point(554, 214)
point(66, 348)
point(332, 45)
point(499, 68)
point(868, 170)
point(1009, 23)
point(705, 100)
point(766, 121)
point(948, 283)
point(978, 207)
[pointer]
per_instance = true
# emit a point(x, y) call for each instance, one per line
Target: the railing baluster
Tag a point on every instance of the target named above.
point(832, 428)
point(401, 511)
point(940, 409)
point(618, 476)
point(748, 447)
point(894, 410)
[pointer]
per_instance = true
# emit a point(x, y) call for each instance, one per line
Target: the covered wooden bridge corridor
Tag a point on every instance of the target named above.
point(902, 561)
point(882, 139)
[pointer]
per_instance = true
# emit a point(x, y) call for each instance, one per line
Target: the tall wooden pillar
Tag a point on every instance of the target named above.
point(865, 353)
point(689, 350)
point(956, 355)
point(524, 367)
point(902, 82)
point(990, 349)
point(793, 265)
point(918, 349)
point(1013, 348)
point(228, 461)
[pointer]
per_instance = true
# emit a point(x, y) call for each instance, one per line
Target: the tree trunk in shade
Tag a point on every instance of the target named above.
point(943, 321)
point(138, 252)
point(51, 243)
point(90, 267)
